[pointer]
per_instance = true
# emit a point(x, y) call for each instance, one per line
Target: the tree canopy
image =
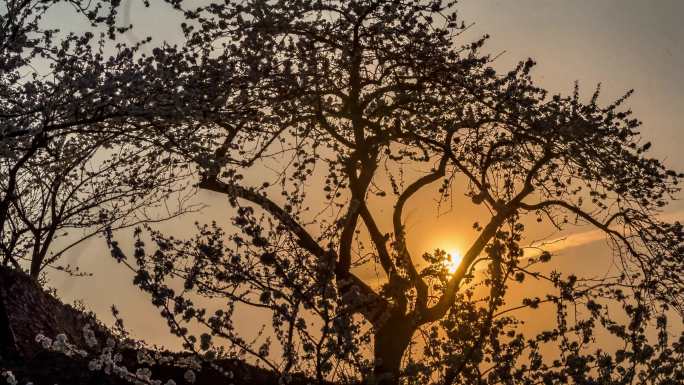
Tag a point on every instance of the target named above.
point(307, 115)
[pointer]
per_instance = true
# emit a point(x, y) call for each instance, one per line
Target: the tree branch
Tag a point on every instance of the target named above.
point(416, 279)
point(233, 190)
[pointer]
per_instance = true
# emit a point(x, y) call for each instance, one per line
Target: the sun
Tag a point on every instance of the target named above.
point(453, 261)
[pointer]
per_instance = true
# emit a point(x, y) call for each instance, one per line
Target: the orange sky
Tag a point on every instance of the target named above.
point(622, 43)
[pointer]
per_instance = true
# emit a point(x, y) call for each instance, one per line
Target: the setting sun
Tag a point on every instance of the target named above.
point(453, 260)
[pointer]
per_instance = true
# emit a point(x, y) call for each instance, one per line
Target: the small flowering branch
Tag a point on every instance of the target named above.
point(110, 357)
point(9, 377)
point(61, 345)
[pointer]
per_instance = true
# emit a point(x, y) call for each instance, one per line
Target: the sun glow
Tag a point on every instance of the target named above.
point(453, 261)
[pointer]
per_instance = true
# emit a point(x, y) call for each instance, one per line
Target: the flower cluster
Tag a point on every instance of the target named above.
point(89, 336)
point(9, 377)
point(189, 376)
point(60, 344)
point(109, 358)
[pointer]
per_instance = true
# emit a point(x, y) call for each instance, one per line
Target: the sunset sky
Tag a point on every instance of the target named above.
point(622, 44)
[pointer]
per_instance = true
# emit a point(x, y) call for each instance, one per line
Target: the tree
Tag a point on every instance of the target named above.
point(367, 90)
point(70, 164)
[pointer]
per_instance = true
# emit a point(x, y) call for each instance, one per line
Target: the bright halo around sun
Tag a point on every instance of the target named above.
point(453, 260)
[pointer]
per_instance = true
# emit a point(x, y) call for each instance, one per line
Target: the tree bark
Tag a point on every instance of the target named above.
point(391, 341)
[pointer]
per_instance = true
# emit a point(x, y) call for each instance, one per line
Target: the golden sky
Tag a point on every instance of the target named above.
point(621, 43)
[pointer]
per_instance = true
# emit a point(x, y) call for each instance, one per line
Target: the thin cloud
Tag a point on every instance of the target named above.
point(583, 238)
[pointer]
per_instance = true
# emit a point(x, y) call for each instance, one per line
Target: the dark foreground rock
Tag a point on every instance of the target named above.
point(26, 310)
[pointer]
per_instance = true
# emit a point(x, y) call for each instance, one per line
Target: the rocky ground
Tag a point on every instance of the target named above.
point(27, 311)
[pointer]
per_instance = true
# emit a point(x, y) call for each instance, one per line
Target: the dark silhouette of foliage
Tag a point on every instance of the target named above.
point(305, 114)
point(352, 86)
point(70, 164)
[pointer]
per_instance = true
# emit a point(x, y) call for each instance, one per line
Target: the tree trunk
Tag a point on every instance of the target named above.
point(391, 341)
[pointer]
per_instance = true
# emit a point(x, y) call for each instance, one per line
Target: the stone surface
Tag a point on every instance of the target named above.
point(27, 310)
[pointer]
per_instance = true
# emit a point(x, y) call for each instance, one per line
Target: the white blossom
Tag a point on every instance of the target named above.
point(189, 376)
point(89, 336)
point(9, 377)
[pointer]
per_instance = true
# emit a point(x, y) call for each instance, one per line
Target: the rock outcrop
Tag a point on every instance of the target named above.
point(26, 310)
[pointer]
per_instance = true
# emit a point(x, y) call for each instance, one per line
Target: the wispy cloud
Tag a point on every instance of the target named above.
point(583, 238)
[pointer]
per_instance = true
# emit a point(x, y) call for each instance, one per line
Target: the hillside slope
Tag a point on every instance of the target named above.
point(26, 311)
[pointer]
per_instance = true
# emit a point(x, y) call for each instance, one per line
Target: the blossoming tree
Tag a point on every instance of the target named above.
point(307, 115)
point(337, 99)
point(70, 164)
